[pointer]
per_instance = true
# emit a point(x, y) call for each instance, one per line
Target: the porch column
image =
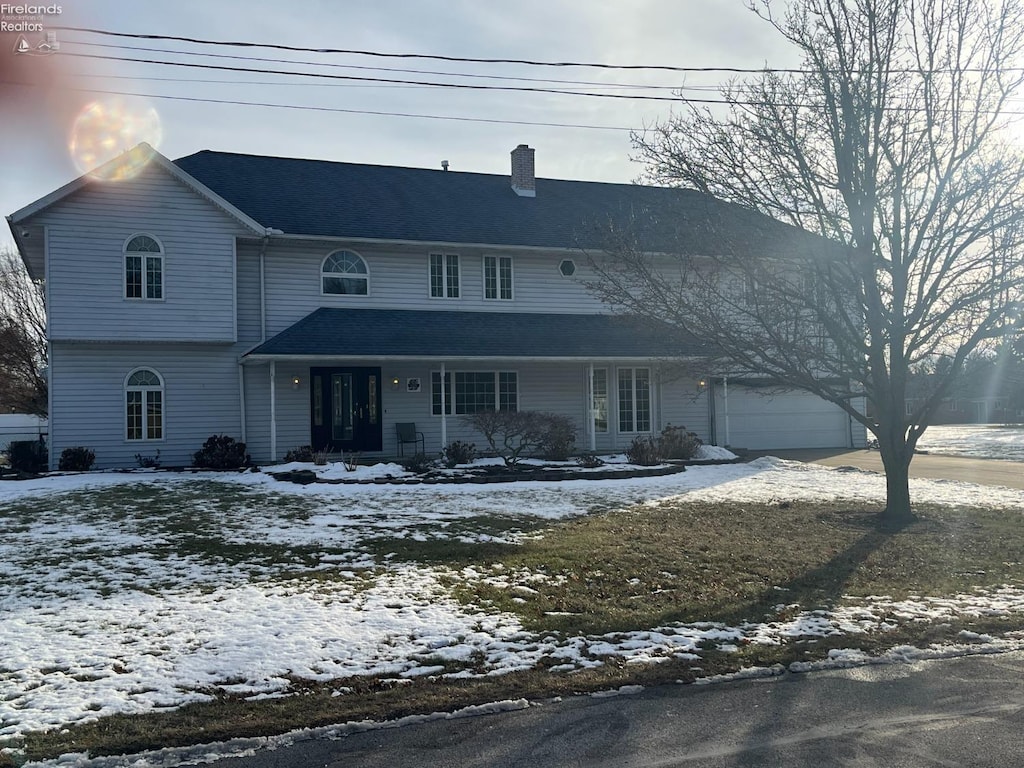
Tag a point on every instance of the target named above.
point(444, 413)
point(591, 414)
point(273, 412)
point(241, 401)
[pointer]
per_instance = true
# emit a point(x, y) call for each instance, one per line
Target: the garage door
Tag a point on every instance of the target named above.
point(762, 419)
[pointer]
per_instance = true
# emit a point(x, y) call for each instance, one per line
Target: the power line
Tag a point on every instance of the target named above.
point(271, 60)
point(379, 113)
point(434, 57)
point(324, 75)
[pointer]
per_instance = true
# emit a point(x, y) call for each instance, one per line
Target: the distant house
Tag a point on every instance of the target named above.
point(293, 302)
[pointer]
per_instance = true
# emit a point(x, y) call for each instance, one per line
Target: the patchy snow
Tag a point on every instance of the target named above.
point(978, 441)
point(714, 453)
point(94, 621)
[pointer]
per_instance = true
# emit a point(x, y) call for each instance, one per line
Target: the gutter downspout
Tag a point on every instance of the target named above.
point(273, 412)
point(263, 286)
point(444, 411)
point(725, 397)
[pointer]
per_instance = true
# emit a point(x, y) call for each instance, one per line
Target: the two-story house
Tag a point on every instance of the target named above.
point(291, 302)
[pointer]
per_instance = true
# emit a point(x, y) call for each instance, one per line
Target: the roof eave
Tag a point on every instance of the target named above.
point(197, 186)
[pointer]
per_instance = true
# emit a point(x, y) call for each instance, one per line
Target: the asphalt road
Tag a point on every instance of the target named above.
point(954, 712)
point(983, 471)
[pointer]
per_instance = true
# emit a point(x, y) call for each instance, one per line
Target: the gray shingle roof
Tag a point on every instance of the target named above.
point(329, 332)
point(315, 197)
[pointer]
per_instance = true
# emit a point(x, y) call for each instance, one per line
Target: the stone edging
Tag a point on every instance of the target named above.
point(308, 477)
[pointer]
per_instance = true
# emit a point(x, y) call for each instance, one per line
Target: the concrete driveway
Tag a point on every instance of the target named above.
point(1009, 474)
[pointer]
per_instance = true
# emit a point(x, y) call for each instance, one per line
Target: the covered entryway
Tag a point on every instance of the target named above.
point(759, 418)
point(345, 409)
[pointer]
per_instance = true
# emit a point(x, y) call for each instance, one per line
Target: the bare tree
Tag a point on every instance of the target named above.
point(891, 143)
point(22, 339)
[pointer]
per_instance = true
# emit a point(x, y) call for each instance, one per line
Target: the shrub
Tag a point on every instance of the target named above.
point(514, 434)
point(28, 455)
point(645, 451)
point(77, 459)
point(458, 452)
point(320, 458)
point(418, 463)
point(221, 452)
point(678, 443)
point(559, 437)
point(589, 461)
point(148, 462)
point(302, 453)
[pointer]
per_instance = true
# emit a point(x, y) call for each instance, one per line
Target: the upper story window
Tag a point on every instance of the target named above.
point(498, 277)
point(445, 280)
point(143, 268)
point(144, 405)
point(345, 273)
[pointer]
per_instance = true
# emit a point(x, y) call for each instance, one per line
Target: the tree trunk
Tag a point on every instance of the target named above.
point(896, 456)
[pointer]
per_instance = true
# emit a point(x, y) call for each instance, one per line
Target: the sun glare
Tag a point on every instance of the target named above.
point(107, 129)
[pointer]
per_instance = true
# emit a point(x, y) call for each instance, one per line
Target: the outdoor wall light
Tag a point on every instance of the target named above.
point(395, 382)
point(702, 384)
point(295, 382)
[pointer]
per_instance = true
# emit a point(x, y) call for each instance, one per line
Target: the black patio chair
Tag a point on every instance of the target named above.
point(407, 434)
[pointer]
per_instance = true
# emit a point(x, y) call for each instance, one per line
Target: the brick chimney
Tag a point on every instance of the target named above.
point(524, 181)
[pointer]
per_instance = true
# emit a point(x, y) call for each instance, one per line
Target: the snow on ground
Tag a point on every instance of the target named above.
point(978, 441)
point(107, 609)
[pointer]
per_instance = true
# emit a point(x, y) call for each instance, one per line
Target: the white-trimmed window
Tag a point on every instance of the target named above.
point(634, 399)
point(143, 268)
point(144, 405)
point(472, 391)
point(344, 273)
point(599, 405)
point(445, 278)
point(498, 277)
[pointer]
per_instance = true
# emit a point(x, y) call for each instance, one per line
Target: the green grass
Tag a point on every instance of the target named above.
point(630, 569)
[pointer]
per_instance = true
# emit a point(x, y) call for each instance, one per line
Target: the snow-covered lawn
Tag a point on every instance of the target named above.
point(111, 599)
point(978, 441)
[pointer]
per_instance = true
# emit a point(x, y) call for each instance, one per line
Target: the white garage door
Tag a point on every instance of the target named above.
point(762, 419)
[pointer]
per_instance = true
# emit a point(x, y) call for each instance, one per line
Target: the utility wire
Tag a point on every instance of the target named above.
point(434, 57)
point(380, 113)
point(324, 75)
point(266, 59)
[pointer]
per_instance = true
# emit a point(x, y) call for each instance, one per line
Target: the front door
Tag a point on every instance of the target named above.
point(344, 409)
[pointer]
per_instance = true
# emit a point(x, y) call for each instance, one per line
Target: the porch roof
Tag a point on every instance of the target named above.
point(418, 334)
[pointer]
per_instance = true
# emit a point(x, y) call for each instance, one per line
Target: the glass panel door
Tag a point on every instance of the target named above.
point(343, 415)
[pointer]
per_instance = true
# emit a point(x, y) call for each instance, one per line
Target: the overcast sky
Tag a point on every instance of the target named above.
point(38, 120)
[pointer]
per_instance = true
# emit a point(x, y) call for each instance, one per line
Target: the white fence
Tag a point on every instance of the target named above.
point(21, 426)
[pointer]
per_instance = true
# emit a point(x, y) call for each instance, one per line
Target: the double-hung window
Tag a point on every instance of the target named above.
point(599, 405)
point(143, 268)
point(445, 280)
point(498, 277)
point(634, 399)
point(472, 391)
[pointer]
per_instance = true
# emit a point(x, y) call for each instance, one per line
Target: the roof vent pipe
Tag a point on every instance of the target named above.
point(524, 181)
point(444, 165)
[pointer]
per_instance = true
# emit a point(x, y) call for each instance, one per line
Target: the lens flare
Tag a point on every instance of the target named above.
point(107, 129)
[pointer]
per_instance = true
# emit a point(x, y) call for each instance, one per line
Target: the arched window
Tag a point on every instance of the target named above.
point(144, 405)
point(345, 273)
point(143, 268)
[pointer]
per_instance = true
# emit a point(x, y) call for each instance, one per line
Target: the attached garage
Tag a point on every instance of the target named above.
point(759, 418)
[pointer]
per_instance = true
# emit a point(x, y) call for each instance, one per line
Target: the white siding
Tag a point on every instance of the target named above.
point(86, 232)
point(399, 280)
point(88, 401)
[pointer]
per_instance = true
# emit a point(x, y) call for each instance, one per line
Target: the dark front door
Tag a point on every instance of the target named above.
point(344, 409)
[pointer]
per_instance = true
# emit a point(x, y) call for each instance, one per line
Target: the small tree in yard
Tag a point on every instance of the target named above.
point(889, 143)
point(22, 339)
